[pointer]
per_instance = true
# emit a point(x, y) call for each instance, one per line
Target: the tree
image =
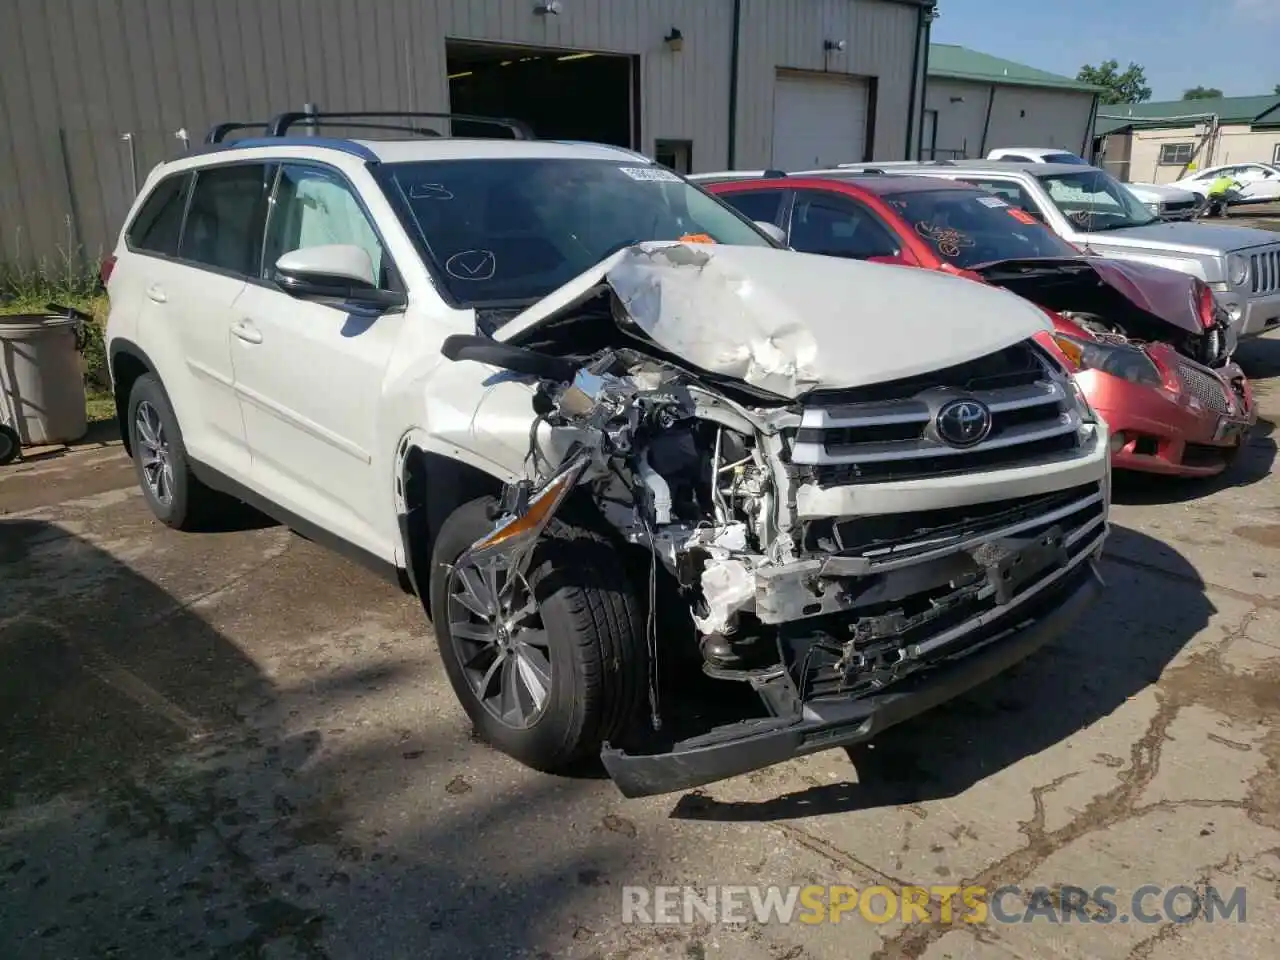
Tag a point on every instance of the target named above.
point(1202, 93)
point(1278, 89)
point(1127, 87)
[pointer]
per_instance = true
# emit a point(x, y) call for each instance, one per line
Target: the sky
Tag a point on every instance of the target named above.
point(1233, 45)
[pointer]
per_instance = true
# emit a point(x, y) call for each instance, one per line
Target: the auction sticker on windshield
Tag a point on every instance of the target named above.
point(1022, 216)
point(991, 202)
point(650, 173)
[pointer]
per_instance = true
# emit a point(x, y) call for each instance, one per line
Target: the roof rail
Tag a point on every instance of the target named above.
point(279, 126)
point(218, 132)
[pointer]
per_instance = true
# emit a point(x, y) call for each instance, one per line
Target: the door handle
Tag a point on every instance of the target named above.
point(155, 293)
point(247, 332)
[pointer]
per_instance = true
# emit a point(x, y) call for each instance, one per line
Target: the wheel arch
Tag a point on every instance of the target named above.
point(126, 362)
point(429, 485)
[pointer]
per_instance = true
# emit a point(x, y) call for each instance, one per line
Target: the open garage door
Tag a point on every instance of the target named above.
point(561, 94)
point(819, 120)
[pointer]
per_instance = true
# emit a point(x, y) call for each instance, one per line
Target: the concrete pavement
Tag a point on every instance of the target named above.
point(237, 744)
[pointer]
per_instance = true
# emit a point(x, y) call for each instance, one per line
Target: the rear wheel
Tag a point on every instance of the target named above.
point(550, 665)
point(171, 490)
point(10, 444)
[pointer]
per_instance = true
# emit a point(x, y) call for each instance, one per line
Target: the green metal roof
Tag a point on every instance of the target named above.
point(960, 63)
point(1164, 114)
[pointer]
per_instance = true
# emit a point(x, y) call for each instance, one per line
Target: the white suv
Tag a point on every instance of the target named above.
point(611, 434)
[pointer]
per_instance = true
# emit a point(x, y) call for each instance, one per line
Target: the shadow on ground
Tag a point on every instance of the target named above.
point(161, 796)
point(1119, 648)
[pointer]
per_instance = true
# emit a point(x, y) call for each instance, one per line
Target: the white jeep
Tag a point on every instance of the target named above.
point(612, 435)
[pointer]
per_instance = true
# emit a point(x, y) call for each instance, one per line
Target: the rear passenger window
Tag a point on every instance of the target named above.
point(225, 218)
point(156, 227)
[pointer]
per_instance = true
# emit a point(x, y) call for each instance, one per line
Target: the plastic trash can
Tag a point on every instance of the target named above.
point(42, 378)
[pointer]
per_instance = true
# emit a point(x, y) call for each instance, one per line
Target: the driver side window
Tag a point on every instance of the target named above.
point(839, 227)
point(313, 207)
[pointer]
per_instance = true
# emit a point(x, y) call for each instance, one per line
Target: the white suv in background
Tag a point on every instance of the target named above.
point(1166, 202)
point(563, 395)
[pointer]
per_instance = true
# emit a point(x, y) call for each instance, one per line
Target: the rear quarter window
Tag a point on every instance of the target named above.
point(158, 223)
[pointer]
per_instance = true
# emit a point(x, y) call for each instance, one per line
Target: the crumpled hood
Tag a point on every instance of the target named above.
point(791, 322)
point(1061, 283)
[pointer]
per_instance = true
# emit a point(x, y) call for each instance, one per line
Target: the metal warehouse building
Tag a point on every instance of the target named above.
point(1163, 141)
point(977, 103)
point(93, 94)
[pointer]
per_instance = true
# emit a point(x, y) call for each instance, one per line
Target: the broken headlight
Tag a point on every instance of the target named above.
point(1118, 360)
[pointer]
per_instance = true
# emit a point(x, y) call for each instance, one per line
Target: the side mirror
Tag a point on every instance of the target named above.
point(470, 346)
point(338, 271)
point(772, 231)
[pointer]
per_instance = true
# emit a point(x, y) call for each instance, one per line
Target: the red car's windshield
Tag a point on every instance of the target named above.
point(966, 228)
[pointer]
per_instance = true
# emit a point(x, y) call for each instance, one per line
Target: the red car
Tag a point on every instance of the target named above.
point(1150, 346)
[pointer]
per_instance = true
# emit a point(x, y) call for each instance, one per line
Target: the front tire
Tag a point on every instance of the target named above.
point(552, 665)
point(174, 495)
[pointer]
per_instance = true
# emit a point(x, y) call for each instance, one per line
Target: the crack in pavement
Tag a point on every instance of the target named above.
point(1202, 679)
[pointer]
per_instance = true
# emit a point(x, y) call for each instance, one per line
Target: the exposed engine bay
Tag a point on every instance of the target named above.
point(1125, 303)
point(829, 531)
point(706, 475)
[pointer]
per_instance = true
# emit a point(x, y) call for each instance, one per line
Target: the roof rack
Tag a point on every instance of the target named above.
point(218, 132)
point(280, 125)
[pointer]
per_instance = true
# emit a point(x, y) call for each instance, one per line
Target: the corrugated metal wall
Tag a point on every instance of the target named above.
point(78, 75)
point(1019, 117)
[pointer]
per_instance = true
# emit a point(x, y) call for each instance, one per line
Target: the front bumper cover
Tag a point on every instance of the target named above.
point(839, 722)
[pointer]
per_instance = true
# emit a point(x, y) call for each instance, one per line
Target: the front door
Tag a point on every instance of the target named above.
point(309, 374)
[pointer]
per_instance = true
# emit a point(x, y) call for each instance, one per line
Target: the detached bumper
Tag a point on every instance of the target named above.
point(838, 722)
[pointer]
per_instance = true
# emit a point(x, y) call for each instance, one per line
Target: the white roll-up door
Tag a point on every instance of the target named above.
point(818, 120)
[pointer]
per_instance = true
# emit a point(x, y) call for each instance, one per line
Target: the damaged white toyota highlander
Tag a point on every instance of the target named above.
point(637, 461)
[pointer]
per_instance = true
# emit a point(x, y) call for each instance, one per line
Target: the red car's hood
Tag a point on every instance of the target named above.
point(1104, 287)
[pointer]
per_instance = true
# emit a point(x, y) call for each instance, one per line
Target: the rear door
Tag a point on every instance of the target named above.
point(309, 373)
point(188, 298)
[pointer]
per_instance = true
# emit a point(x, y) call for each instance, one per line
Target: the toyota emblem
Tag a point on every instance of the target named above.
point(963, 423)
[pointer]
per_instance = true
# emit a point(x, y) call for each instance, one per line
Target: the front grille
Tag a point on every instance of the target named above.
point(887, 432)
point(1264, 269)
point(942, 623)
point(1203, 385)
point(888, 539)
point(1180, 206)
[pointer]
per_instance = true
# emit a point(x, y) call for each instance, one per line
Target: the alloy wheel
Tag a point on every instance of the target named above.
point(154, 453)
point(498, 636)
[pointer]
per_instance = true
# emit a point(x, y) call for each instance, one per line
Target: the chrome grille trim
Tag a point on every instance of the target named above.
point(1040, 409)
point(886, 560)
point(1264, 272)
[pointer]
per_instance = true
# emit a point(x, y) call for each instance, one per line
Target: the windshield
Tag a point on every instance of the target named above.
point(1094, 201)
point(969, 227)
point(516, 229)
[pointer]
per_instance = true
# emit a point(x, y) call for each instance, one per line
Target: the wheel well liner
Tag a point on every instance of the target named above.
point(433, 487)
